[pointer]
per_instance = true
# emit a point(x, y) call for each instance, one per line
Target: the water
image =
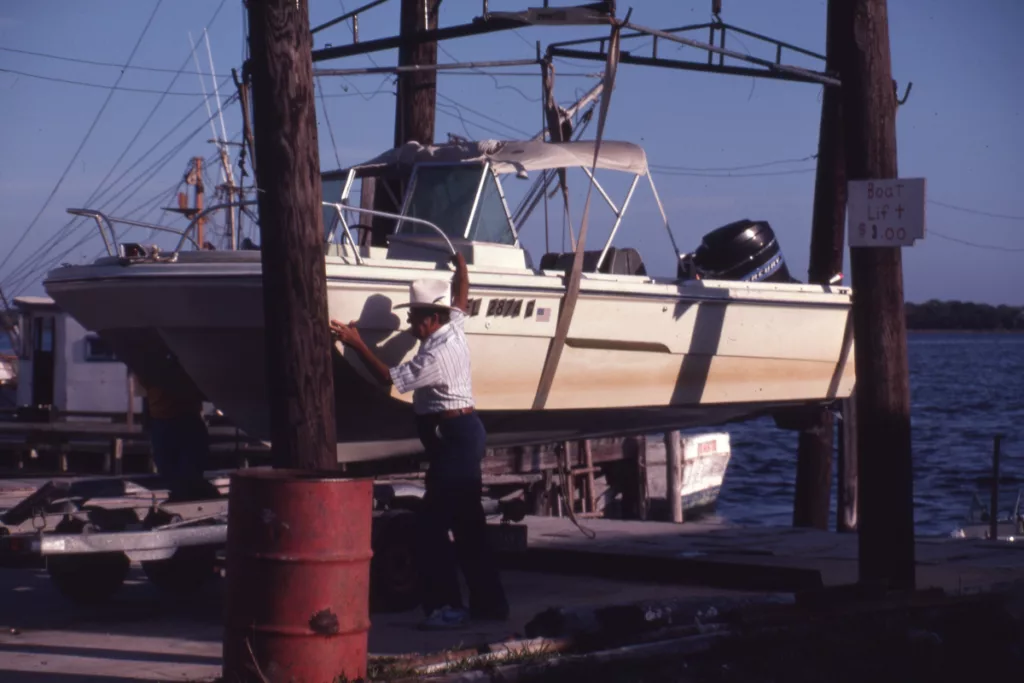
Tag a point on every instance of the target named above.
point(965, 388)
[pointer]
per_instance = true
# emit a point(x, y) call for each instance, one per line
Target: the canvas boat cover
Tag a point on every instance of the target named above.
point(510, 156)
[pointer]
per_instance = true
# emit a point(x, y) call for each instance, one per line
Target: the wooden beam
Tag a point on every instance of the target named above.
point(415, 104)
point(886, 505)
point(298, 345)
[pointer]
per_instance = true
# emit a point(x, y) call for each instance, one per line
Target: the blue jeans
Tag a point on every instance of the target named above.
point(454, 487)
point(180, 448)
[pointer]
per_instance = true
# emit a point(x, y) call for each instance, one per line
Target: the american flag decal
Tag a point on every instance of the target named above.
point(543, 314)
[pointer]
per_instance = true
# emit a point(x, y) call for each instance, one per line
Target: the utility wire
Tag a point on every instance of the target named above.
point(497, 84)
point(976, 245)
point(327, 118)
point(31, 264)
point(81, 146)
point(113, 88)
point(746, 167)
point(93, 62)
point(74, 222)
point(457, 105)
point(976, 211)
point(794, 171)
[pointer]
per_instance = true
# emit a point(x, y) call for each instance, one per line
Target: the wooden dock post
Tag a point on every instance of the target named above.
point(886, 486)
point(846, 495)
point(814, 452)
point(300, 379)
point(674, 475)
point(993, 515)
point(415, 104)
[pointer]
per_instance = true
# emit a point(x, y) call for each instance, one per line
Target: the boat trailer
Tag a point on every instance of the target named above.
point(87, 532)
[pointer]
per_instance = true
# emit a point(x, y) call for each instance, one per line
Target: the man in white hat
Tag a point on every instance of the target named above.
point(455, 442)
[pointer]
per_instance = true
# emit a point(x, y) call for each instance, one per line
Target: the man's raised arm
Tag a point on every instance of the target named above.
point(460, 283)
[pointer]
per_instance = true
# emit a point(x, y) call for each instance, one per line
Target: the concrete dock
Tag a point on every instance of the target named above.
point(144, 635)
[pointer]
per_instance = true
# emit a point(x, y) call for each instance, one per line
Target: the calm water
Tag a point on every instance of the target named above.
point(964, 389)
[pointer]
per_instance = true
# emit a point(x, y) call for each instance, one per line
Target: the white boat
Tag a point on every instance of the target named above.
point(721, 340)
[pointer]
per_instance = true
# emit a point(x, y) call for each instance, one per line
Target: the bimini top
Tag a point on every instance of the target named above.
point(509, 156)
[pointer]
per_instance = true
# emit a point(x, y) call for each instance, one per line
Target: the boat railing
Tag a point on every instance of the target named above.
point(341, 208)
point(106, 223)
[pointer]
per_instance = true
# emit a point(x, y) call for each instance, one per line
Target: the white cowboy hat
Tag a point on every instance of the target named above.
point(429, 293)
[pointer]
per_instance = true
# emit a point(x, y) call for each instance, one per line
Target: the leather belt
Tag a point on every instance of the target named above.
point(448, 414)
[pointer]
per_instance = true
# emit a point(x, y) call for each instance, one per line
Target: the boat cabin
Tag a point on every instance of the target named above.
point(452, 194)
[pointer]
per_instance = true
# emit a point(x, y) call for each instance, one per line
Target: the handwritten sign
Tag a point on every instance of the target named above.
point(885, 213)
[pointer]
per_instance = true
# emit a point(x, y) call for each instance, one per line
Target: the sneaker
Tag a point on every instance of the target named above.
point(444, 618)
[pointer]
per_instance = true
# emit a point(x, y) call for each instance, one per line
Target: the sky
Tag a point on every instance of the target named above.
point(723, 147)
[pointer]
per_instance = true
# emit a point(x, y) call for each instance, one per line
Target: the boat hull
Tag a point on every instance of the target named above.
point(639, 356)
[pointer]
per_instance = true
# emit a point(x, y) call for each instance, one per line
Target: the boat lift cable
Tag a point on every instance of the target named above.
point(573, 280)
point(81, 146)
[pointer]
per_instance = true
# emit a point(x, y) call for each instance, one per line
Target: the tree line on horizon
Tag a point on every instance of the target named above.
point(963, 315)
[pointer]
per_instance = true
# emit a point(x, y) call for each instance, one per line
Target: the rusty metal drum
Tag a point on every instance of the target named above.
point(298, 577)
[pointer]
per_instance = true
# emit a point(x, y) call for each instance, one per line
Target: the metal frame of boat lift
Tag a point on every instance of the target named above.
point(593, 14)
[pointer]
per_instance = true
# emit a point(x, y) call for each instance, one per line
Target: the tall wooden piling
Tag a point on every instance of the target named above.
point(674, 475)
point(815, 449)
point(299, 372)
point(415, 105)
point(886, 506)
point(846, 474)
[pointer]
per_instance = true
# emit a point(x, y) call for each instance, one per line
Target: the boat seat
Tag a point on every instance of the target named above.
point(625, 261)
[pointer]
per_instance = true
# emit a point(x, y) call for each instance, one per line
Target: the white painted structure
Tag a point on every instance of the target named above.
point(63, 365)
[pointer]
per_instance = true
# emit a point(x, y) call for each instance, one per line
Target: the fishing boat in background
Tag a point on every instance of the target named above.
point(729, 336)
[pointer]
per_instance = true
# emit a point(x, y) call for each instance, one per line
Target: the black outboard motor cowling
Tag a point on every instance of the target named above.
point(745, 250)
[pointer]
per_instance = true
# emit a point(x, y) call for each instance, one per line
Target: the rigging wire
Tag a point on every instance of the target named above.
point(81, 146)
point(976, 245)
point(31, 262)
point(978, 212)
point(111, 88)
point(497, 84)
point(457, 105)
point(327, 118)
point(75, 221)
point(745, 167)
point(92, 62)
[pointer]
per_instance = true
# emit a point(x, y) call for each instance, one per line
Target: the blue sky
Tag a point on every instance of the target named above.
point(962, 127)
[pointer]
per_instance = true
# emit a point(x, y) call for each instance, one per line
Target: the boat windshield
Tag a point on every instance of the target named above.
point(447, 196)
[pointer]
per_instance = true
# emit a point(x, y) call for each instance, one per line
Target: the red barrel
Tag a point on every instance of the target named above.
point(298, 576)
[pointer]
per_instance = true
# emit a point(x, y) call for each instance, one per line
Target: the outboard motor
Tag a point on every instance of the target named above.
point(745, 250)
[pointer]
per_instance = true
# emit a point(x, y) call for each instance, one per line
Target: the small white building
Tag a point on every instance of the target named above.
point(65, 366)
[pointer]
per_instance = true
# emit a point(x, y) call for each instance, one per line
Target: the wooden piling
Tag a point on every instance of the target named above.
point(815, 447)
point(415, 104)
point(993, 515)
point(674, 475)
point(846, 494)
point(300, 378)
point(886, 509)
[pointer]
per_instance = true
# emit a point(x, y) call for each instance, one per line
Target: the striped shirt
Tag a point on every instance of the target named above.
point(439, 374)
